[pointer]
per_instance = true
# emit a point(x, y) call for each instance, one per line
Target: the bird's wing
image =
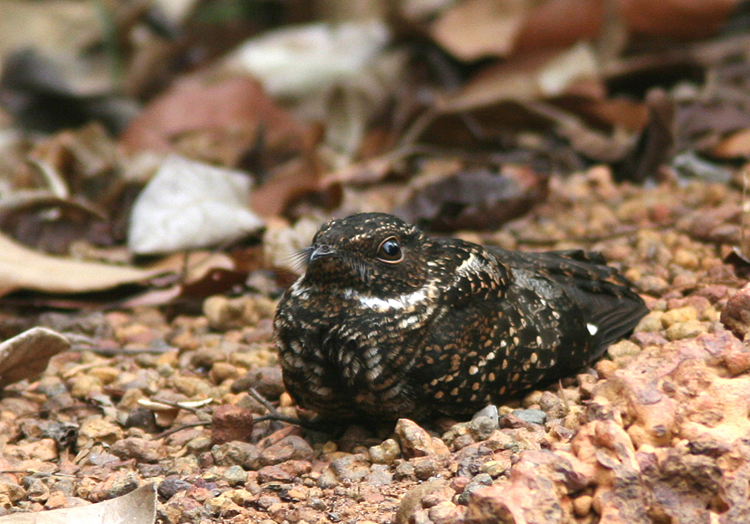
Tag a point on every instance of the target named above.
point(609, 305)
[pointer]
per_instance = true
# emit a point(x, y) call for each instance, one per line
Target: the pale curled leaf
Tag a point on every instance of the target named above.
point(27, 355)
point(24, 268)
point(137, 507)
point(191, 205)
point(294, 61)
point(155, 405)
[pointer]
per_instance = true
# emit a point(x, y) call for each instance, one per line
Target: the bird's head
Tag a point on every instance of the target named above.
point(369, 252)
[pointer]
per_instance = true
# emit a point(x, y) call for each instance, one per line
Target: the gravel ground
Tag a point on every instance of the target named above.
point(656, 432)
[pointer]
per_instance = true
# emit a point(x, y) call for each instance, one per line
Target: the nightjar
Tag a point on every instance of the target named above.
point(387, 322)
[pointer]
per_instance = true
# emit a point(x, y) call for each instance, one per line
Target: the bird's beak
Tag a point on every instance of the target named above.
point(320, 251)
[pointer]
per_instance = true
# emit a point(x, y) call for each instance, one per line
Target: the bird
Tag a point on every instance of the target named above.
point(387, 322)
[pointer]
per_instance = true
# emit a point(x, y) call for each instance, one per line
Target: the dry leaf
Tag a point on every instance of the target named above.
point(202, 274)
point(23, 268)
point(218, 119)
point(475, 199)
point(736, 145)
point(137, 507)
point(166, 414)
point(478, 28)
point(190, 205)
point(26, 356)
point(560, 23)
point(527, 77)
point(688, 19)
point(294, 61)
point(50, 223)
point(60, 27)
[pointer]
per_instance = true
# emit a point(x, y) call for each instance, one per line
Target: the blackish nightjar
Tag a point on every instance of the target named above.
point(388, 322)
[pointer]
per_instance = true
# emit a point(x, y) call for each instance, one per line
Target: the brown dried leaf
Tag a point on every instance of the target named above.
point(50, 223)
point(475, 199)
point(555, 24)
point(294, 179)
point(477, 28)
point(736, 145)
point(203, 274)
point(216, 119)
point(531, 76)
point(137, 507)
point(686, 19)
point(26, 356)
point(23, 268)
point(702, 125)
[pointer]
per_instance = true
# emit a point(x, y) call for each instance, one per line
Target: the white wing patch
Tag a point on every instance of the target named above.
point(593, 329)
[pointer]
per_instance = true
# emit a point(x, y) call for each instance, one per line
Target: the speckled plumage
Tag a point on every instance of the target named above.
point(430, 326)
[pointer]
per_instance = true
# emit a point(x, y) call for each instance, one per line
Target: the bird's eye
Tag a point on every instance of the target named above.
point(390, 251)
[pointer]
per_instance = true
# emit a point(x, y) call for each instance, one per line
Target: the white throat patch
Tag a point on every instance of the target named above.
point(382, 305)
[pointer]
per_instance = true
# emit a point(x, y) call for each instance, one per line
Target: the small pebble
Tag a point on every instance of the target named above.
point(652, 285)
point(552, 405)
point(674, 316)
point(222, 371)
point(98, 429)
point(350, 468)
point(425, 467)
point(623, 351)
point(479, 481)
point(495, 468)
point(445, 512)
point(605, 368)
point(689, 329)
point(582, 505)
point(223, 314)
point(104, 374)
point(416, 442)
point(235, 475)
point(385, 453)
point(380, 475)
point(411, 502)
point(531, 416)
point(686, 258)
point(482, 427)
point(651, 323)
point(266, 380)
point(488, 411)
point(404, 470)
point(231, 422)
point(85, 386)
point(291, 447)
point(139, 449)
point(170, 486)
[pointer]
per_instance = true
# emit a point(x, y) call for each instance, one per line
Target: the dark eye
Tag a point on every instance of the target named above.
point(390, 251)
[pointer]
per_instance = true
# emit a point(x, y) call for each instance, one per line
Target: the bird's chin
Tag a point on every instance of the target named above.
point(339, 270)
point(328, 271)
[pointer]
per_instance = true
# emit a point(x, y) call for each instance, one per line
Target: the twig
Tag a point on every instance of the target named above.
point(260, 398)
point(168, 432)
point(275, 415)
